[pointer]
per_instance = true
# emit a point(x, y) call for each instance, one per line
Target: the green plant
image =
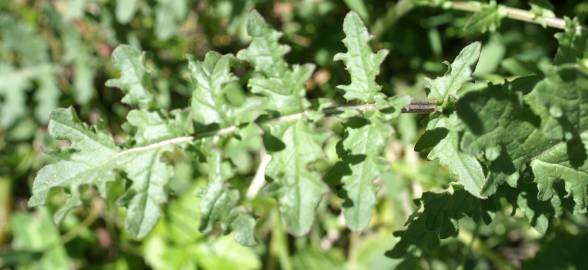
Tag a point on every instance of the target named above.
point(378, 155)
point(486, 137)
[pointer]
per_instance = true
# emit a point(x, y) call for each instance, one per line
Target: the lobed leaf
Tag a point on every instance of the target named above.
point(94, 160)
point(218, 204)
point(210, 99)
point(363, 65)
point(275, 79)
point(465, 167)
point(460, 71)
point(365, 145)
point(299, 188)
point(130, 62)
point(264, 53)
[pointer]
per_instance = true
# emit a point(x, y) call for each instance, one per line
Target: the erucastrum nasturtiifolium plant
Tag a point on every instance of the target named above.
point(520, 141)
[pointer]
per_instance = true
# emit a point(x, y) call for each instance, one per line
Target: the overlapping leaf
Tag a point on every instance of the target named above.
point(130, 62)
point(94, 160)
point(218, 204)
point(460, 71)
point(275, 79)
point(442, 136)
point(210, 102)
point(437, 219)
point(540, 135)
point(299, 187)
point(365, 145)
point(443, 132)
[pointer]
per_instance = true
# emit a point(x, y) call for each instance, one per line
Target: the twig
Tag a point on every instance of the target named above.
point(515, 14)
point(415, 107)
point(259, 178)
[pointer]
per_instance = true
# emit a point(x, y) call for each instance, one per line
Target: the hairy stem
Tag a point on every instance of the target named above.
point(513, 13)
point(414, 107)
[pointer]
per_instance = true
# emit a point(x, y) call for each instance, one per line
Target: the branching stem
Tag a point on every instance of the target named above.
point(514, 13)
point(423, 107)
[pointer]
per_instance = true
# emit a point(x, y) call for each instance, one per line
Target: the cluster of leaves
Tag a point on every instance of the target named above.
point(295, 143)
point(506, 142)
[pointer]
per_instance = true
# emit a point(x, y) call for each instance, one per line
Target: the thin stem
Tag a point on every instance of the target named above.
point(423, 107)
point(414, 107)
point(514, 13)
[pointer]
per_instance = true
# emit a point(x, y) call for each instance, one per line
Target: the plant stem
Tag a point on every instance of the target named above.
point(423, 107)
point(513, 13)
point(478, 246)
point(5, 205)
point(414, 107)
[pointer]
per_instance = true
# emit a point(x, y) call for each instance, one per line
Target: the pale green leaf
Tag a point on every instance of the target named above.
point(275, 79)
point(94, 160)
point(363, 65)
point(365, 142)
point(264, 53)
point(465, 167)
point(125, 9)
point(133, 76)
point(460, 71)
point(487, 19)
point(299, 188)
point(210, 99)
point(286, 92)
point(168, 15)
point(218, 204)
point(34, 232)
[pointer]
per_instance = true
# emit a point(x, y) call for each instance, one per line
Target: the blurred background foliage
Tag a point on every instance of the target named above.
point(57, 54)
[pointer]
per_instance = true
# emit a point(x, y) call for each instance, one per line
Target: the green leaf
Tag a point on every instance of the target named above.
point(94, 160)
point(218, 204)
point(562, 96)
point(465, 167)
point(572, 44)
point(364, 143)
point(80, 56)
point(168, 15)
point(437, 218)
point(13, 86)
point(274, 79)
point(130, 62)
point(363, 65)
point(210, 102)
point(285, 93)
point(460, 71)
point(487, 19)
point(264, 53)
point(525, 132)
point(32, 51)
point(125, 9)
point(36, 233)
point(299, 188)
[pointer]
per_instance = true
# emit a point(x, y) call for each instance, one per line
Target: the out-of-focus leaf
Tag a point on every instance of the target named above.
point(125, 9)
point(219, 204)
point(168, 15)
point(487, 19)
point(133, 76)
point(36, 233)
